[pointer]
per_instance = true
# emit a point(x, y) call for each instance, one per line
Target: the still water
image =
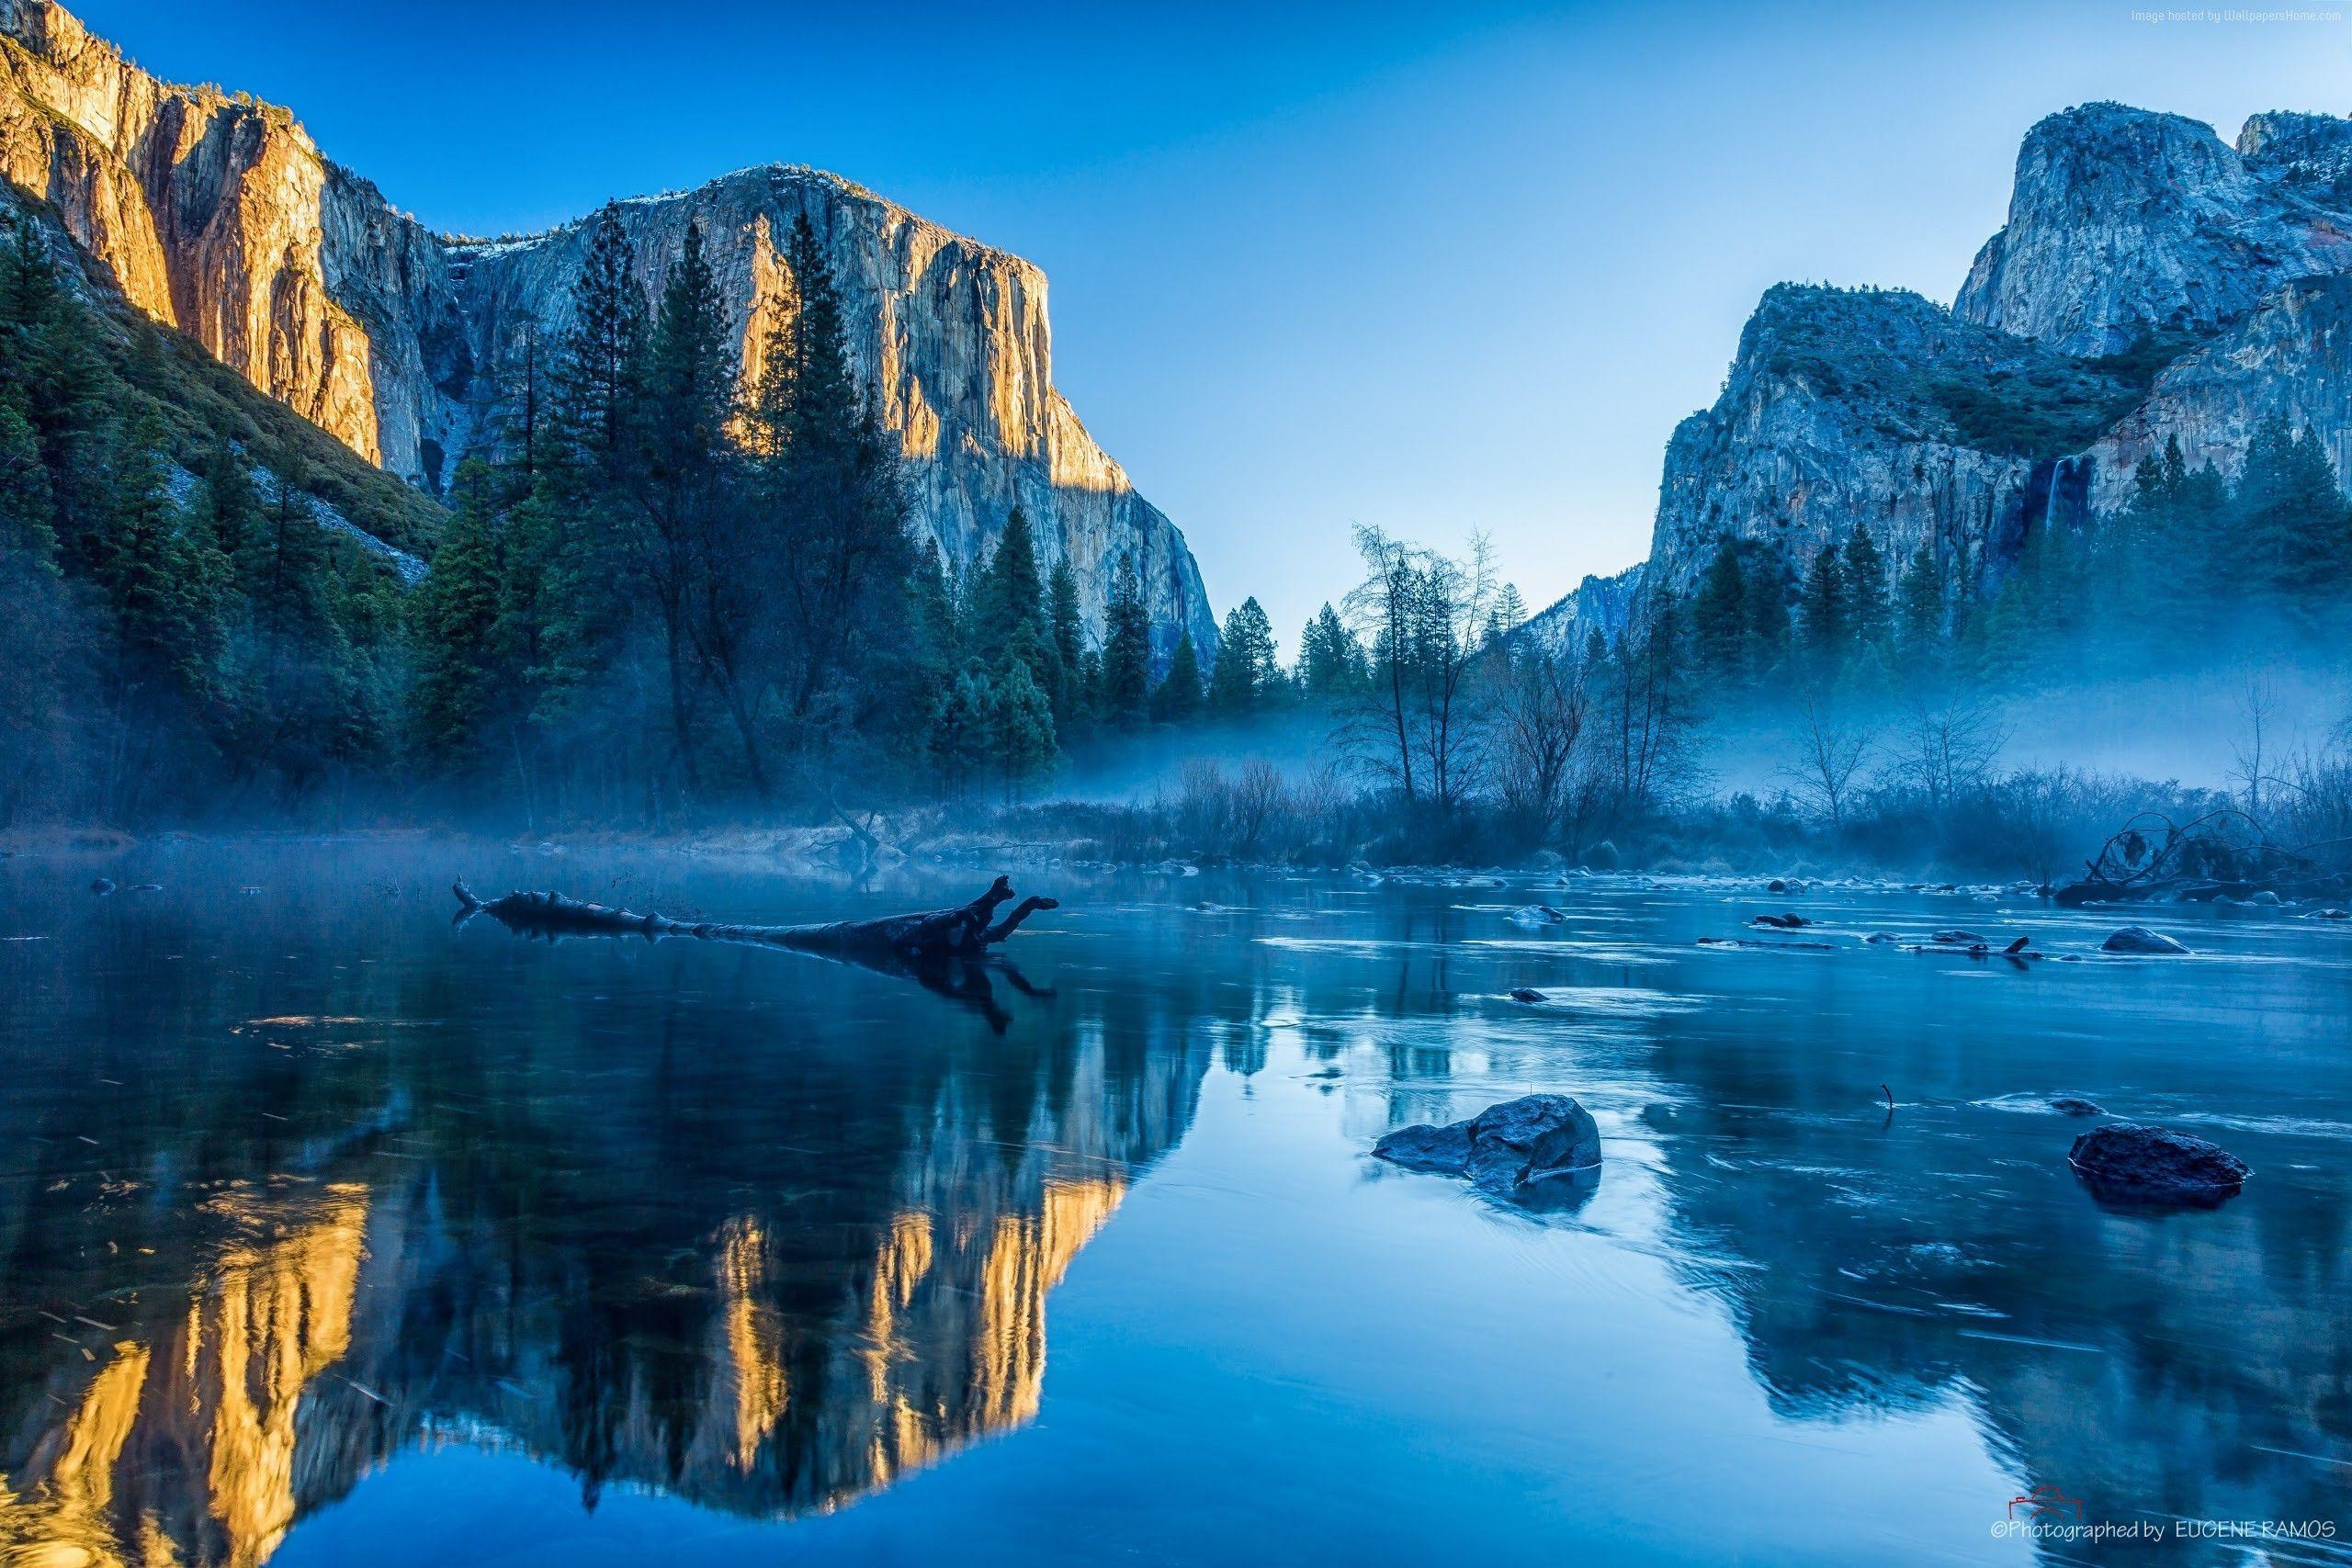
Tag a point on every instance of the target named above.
point(333, 1233)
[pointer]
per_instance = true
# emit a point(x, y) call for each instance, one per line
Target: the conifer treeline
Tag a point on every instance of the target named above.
point(654, 591)
point(167, 646)
point(652, 594)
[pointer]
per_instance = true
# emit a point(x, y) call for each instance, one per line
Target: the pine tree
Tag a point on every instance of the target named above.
point(1770, 635)
point(1869, 616)
point(832, 484)
point(1020, 725)
point(1720, 615)
point(807, 402)
point(1330, 661)
point(1919, 603)
point(601, 372)
point(1127, 650)
point(1247, 668)
point(2291, 527)
point(518, 420)
point(455, 614)
point(1177, 698)
point(962, 729)
point(226, 505)
point(47, 355)
point(1826, 614)
point(291, 653)
point(687, 538)
point(1012, 608)
point(1065, 628)
point(1010, 589)
point(162, 579)
point(1509, 613)
point(27, 531)
point(689, 376)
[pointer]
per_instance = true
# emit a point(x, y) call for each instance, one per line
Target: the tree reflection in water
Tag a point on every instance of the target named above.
point(765, 1240)
point(764, 1233)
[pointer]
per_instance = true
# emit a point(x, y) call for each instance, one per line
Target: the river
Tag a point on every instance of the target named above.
point(334, 1232)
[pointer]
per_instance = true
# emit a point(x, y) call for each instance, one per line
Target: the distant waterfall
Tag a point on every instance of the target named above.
point(2066, 490)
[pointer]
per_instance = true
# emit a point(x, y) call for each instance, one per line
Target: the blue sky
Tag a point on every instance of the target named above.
point(1436, 267)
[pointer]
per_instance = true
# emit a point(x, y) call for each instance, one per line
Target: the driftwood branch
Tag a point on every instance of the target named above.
point(931, 934)
point(940, 950)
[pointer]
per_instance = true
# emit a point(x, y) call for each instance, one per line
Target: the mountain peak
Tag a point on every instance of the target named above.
point(2124, 221)
point(2308, 153)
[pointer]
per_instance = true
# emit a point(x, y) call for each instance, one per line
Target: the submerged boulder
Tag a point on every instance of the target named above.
point(1505, 1146)
point(1526, 994)
point(1537, 915)
point(2074, 1105)
point(2139, 938)
point(2128, 1164)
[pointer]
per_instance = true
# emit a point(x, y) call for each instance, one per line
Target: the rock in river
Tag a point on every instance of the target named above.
point(2074, 1105)
point(2128, 1164)
point(2139, 938)
point(1505, 1146)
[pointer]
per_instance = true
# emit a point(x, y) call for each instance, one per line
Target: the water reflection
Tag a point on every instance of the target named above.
point(287, 1191)
point(2156, 1367)
point(751, 1229)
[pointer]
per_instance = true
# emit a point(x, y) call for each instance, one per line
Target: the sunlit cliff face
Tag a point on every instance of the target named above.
point(219, 215)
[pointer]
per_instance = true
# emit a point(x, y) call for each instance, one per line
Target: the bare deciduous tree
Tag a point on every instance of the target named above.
point(1539, 701)
point(2034, 818)
point(1830, 749)
point(2249, 752)
point(1425, 616)
point(1946, 748)
point(1644, 708)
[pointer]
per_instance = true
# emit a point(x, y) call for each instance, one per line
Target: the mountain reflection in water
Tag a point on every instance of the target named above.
point(293, 1186)
point(664, 1235)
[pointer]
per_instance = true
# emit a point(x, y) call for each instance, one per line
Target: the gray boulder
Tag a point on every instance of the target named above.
point(2139, 938)
point(2074, 1105)
point(1504, 1147)
point(1422, 1147)
point(2127, 1164)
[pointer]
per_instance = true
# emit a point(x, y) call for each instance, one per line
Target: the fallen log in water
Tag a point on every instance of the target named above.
point(944, 951)
point(926, 936)
point(2223, 854)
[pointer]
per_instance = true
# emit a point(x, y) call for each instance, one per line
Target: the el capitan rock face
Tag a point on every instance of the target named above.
point(220, 215)
point(2153, 284)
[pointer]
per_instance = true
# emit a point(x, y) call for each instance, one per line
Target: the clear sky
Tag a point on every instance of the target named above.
point(1434, 267)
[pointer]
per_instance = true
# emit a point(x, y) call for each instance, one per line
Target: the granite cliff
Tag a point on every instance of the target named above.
point(219, 215)
point(2154, 283)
